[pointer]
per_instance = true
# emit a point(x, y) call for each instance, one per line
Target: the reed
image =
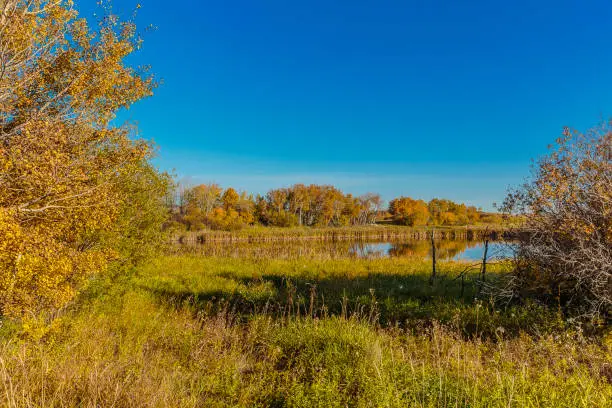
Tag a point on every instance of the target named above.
point(417, 250)
point(372, 232)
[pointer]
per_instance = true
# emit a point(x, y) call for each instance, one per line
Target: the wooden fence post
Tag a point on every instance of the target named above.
point(484, 261)
point(433, 257)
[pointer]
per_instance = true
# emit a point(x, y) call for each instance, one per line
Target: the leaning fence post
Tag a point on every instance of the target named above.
point(484, 261)
point(433, 257)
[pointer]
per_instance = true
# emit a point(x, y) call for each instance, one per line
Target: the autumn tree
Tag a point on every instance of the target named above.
point(316, 205)
point(371, 204)
point(277, 199)
point(332, 204)
point(277, 208)
point(209, 206)
point(473, 215)
point(230, 199)
point(441, 211)
point(565, 256)
point(448, 212)
point(204, 197)
point(76, 191)
point(407, 211)
point(299, 201)
point(351, 210)
point(261, 211)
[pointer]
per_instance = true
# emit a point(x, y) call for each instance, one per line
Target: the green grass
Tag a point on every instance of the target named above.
point(200, 331)
point(394, 291)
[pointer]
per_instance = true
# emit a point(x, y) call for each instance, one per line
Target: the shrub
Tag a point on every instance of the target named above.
point(565, 254)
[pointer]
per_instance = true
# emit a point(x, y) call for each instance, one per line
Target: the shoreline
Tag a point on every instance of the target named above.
point(374, 232)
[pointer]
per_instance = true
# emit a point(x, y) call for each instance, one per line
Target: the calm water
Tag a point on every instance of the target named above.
point(450, 250)
point(445, 250)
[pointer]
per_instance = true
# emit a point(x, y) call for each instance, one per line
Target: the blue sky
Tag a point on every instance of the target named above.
point(422, 98)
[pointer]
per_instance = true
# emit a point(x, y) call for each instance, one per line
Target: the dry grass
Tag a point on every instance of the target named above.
point(371, 232)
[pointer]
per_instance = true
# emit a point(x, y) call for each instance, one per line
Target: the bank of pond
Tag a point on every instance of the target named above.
point(357, 233)
point(446, 250)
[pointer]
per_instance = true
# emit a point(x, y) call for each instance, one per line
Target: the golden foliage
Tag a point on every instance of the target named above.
point(66, 175)
point(407, 211)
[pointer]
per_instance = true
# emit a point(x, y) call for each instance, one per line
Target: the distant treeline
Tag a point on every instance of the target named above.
point(209, 206)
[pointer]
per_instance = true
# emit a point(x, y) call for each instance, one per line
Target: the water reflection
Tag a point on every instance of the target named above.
point(445, 249)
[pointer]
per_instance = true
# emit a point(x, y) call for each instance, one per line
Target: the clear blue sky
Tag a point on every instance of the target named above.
point(422, 98)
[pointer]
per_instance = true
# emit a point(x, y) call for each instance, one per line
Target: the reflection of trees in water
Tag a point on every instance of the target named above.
point(273, 250)
point(446, 249)
point(420, 249)
point(451, 249)
point(363, 249)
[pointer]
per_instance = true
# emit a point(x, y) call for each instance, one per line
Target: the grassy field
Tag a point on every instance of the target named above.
point(204, 331)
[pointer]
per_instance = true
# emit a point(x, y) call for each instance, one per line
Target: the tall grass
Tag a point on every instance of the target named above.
point(377, 232)
point(320, 249)
point(201, 331)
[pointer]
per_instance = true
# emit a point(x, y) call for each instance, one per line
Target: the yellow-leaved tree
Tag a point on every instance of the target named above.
point(410, 212)
point(76, 191)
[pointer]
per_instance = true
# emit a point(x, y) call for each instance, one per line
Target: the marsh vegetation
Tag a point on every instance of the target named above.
point(208, 330)
point(419, 250)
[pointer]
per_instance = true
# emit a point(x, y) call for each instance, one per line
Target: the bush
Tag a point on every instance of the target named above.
point(565, 254)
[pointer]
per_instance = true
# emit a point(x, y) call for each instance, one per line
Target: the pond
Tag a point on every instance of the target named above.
point(455, 250)
point(445, 250)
